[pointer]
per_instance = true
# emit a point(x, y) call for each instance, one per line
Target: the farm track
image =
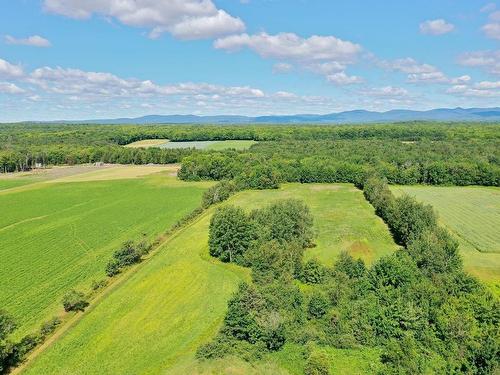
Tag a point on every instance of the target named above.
point(94, 302)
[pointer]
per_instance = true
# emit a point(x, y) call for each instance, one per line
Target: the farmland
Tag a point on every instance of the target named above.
point(472, 214)
point(177, 299)
point(59, 235)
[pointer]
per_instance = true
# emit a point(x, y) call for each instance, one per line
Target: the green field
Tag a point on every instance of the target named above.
point(201, 145)
point(56, 236)
point(472, 214)
point(155, 320)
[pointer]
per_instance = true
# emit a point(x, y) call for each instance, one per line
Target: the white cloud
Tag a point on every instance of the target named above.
point(487, 60)
point(387, 91)
point(488, 85)
point(488, 7)
point(436, 27)
point(34, 41)
point(289, 46)
point(324, 55)
point(98, 84)
point(492, 30)
point(407, 65)
point(10, 70)
point(431, 77)
point(342, 78)
point(10, 88)
point(185, 19)
point(282, 68)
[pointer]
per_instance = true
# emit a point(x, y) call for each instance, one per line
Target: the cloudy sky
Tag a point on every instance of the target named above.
point(82, 59)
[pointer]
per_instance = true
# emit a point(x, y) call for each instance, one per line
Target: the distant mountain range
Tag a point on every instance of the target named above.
point(357, 116)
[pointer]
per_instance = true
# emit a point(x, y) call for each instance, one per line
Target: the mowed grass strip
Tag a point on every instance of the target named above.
point(154, 321)
point(60, 236)
point(472, 214)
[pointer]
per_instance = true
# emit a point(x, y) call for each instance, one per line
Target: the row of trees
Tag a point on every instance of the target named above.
point(257, 171)
point(417, 304)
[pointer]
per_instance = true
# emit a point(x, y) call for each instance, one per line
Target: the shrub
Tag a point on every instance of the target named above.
point(74, 301)
point(48, 327)
point(317, 363)
point(313, 272)
point(218, 193)
point(318, 305)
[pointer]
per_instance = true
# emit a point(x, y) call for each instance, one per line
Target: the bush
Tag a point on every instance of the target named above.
point(218, 193)
point(48, 327)
point(318, 305)
point(130, 253)
point(313, 272)
point(317, 363)
point(74, 301)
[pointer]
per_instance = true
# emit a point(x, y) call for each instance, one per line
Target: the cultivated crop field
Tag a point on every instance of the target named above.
point(177, 299)
point(472, 214)
point(60, 235)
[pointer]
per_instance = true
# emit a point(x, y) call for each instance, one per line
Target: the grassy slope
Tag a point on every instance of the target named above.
point(473, 215)
point(156, 319)
point(58, 236)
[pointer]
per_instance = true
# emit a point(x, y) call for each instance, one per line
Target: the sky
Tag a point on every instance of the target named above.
point(88, 59)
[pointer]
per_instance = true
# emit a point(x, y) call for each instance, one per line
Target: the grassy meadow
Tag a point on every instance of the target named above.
point(472, 214)
point(201, 145)
point(154, 321)
point(60, 235)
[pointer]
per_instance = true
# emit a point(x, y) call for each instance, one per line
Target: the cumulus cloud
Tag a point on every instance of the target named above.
point(100, 84)
point(33, 41)
point(436, 27)
point(10, 88)
point(486, 60)
point(342, 78)
point(185, 19)
point(324, 55)
point(387, 91)
point(289, 46)
point(420, 73)
point(8, 70)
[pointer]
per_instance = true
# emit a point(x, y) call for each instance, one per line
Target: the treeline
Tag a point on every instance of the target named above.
point(254, 170)
point(26, 159)
point(435, 153)
point(417, 305)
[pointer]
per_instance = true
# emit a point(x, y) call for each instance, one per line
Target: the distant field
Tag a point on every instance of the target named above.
point(56, 236)
point(176, 300)
point(473, 215)
point(147, 143)
point(205, 145)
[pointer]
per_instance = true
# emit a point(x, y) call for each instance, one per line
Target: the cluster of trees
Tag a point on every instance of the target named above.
point(235, 236)
point(129, 253)
point(418, 305)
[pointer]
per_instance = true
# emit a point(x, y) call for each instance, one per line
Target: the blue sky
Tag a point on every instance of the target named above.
point(79, 59)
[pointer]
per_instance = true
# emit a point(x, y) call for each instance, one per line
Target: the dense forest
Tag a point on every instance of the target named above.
point(406, 153)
